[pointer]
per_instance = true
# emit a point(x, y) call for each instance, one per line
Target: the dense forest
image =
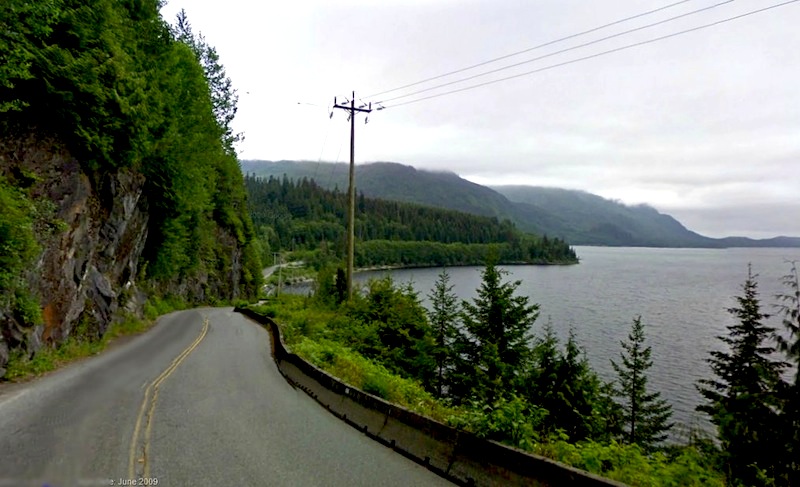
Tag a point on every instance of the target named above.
point(110, 92)
point(122, 89)
point(300, 215)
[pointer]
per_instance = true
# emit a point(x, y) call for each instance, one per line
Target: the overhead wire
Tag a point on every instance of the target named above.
point(562, 51)
point(599, 54)
point(333, 166)
point(324, 141)
point(517, 53)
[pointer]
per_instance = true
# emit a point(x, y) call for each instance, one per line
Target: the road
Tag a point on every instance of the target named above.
point(195, 401)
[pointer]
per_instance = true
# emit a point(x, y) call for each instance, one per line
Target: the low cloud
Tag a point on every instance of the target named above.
point(703, 125)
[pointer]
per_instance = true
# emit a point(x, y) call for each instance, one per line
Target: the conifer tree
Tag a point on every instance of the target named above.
point(443, 317)
point(789, 308)
point(563, 383)
point(578, 392)
point(742, 400)
point(340, 285)
point(645, 414)
point(224, 97)
point(497, 326)
point(542, 379)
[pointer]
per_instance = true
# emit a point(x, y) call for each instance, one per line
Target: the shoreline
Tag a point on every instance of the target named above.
point(418, 266)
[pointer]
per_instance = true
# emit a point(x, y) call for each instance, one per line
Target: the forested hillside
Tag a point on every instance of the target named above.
point(118, 177)
point(300, 215)
point(592, 220)
point(392, 181)
point(578, 217)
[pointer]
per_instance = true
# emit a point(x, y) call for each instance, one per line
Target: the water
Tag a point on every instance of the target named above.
point(681, 294)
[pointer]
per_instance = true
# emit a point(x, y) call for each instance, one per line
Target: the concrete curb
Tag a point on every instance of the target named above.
point(456, 455)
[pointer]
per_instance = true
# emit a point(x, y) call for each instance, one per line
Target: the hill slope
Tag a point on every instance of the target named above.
point(588, 219)
point(300, 215)
point(392, 181)
point(579, 217)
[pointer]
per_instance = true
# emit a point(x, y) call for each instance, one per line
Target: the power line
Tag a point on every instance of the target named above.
point(603, 53)
point(324, 141)
point(549, 43)
point(336, 162)
point(579, 46)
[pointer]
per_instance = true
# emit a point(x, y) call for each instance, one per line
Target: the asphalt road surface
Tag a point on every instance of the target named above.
point(195, 401)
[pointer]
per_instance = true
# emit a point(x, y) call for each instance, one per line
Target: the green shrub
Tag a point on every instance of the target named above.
point(157, 306)
point(511, 420)
point(334, 340)
point(630, 464)
point(361, 373)
point(81, 343)
point(18, 249)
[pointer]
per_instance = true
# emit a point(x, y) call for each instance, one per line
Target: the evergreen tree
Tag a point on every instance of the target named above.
point(340, 286)
point(24, 23)
point(789, 308)
point(224, 97)
point(542, 379)
point(578, 391)
point(564, 384)
point(741, 401)
point(497, 326)
point(324, 286)
point(443, 316)
point(405, 339)
point(645, 414)
point(303, 215)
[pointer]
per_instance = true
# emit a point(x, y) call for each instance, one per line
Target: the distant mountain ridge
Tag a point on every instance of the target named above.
point(593, 220)
point(580, 217)
point(393, 181)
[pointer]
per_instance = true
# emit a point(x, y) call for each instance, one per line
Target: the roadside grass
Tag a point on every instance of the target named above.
point(312, 332)
point(78, 345)
point(362, 373)
point(157, 306)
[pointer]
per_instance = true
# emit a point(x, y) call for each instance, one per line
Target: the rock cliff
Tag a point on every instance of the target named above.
point(91, 258)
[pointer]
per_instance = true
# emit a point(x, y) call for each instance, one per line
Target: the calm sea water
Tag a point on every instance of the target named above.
point(681, 294)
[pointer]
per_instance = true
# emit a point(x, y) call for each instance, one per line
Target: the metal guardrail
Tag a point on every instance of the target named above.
point(456, 455)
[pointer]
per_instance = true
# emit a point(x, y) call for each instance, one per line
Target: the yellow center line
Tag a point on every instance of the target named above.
point(152, 388)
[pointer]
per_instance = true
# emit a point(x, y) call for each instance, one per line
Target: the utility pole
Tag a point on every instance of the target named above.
point(352, 191)
point(278, 261)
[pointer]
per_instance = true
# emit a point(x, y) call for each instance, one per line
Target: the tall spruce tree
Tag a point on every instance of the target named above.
point(542, 380)
point(578, 391)
point(742, 400)
point(224, 97)
point(789, 308)
point(404, 335)
point(645, 414)
point(497, 333)
point(443, 317)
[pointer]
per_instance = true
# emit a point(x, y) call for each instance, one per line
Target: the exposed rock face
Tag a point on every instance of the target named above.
point(86, 274)
point(88, 269)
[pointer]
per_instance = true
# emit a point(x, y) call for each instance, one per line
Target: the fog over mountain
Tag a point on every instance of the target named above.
point(579, 217)
point(702, 125)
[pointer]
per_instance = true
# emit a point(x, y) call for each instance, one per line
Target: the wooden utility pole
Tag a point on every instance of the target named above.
point(278, 261)
point(352, 190)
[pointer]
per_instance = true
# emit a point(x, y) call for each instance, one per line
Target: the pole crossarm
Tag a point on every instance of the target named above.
point(353, 109)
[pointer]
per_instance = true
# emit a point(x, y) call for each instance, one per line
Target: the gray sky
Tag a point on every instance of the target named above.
point(704, 126)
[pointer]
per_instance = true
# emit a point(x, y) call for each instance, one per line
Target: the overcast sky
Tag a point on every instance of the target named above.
point(703, 126)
